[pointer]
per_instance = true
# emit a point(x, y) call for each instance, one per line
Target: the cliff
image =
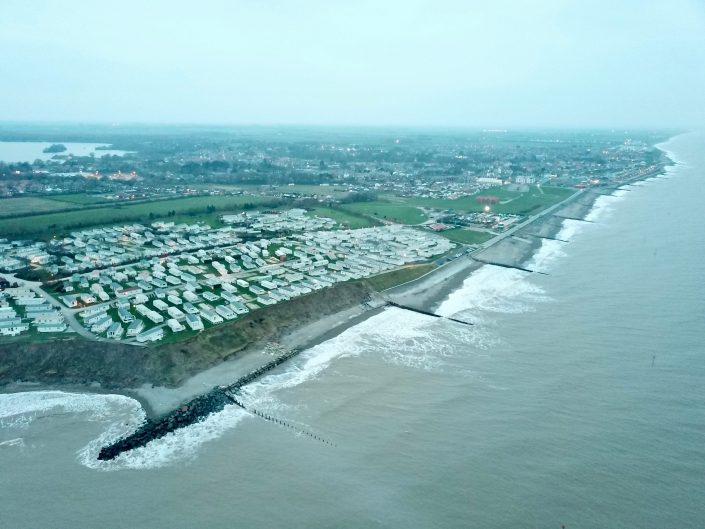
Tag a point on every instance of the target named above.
point(115, 365)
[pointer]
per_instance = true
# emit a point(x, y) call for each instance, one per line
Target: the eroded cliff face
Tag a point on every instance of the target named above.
point(116, 365)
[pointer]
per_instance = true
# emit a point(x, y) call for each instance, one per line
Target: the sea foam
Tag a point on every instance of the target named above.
point(493, 289)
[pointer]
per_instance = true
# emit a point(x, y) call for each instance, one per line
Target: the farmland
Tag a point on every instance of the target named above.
point(177, 210)
point(12, 207)
point(80, 199)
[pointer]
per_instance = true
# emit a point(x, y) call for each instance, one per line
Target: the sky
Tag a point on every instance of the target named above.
point(439, 63)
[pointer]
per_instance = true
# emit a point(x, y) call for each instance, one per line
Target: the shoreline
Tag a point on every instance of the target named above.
point(428, 292)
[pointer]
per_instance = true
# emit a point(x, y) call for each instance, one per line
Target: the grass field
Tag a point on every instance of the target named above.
point(511, 202)
point(464, 236)
point(314, 190)
point(393, 211)
point(343, 218)
point(397, 277)
point(189, 209)
point(333, 191)
point(80, 199)
point(10, 207)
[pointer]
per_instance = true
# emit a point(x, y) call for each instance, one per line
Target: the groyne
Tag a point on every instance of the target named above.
point(505, 265)
point(233, 396)
point(426, 312)
point(192, 412)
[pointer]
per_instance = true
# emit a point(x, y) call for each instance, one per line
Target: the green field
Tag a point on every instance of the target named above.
point(511, 202)
point(80, 199)
point(392, 211)
point(10, 207)
point(343, 218)
point(314, 190)
point(398, 277)
point(333, 191)
point(464, 236)
point(189, 209)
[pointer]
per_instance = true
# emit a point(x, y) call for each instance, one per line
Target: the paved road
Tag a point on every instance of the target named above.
point(528, 221)
point(69, 314)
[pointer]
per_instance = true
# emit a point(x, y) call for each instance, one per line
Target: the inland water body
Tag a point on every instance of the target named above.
point(29, 151)
point(577, 399)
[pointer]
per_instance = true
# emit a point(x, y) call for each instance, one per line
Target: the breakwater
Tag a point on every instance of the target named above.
point(506, 265)
point(547, 238)
point(192, 412)
point(426, 312)
point(280, 422)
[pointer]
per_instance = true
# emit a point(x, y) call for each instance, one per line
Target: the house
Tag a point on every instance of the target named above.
point(152, 335)
point(91, 311)
point(115, 331)
point(135, 328)
point(143, 310)
point(211, 316)
point(210, 296)
point(95, 318)
point(12, 327)
point(128, 292)
point(175, 313)
point(47, 318)
point(174, 325)
point(174, 300)
point(154, 316)
point(29, 300)
point(87, 298)
point(102, 325)
point(125, 315)
point(70, 301)
point(190, 296)
point(239, 308)
point(226, 312)
point(194, 322)
point(190, 309)
point(139, 299)
point(122, 303)
point(7, 313)
point(51, 327)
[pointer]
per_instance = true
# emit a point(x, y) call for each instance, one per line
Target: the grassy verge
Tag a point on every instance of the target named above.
point(397, 277)
point(464, 236)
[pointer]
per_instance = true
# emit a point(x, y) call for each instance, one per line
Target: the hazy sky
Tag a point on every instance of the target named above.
point(500, 63)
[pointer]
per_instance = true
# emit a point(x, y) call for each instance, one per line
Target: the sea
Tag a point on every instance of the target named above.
point(576, 400)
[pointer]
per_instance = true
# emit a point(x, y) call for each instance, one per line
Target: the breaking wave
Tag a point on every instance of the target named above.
point(180, 446)
point(493, 289)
